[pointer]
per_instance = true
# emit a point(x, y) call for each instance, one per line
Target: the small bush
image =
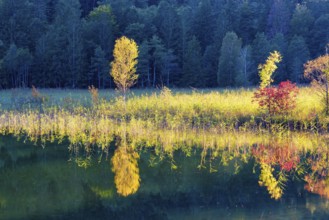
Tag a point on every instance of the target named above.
point(277, 100)
point(37, 97)
point(94, 94)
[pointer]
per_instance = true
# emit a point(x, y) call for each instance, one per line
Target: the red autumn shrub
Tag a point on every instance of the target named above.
point(277, 100)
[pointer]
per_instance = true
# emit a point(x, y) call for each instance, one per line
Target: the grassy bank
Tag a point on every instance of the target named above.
point(169, 109)
point(163, 119)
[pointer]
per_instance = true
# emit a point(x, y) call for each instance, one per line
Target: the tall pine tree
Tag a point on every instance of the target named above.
point(192, 69)
point(228, 67)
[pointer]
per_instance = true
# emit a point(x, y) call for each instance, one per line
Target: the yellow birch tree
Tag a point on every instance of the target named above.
point(123, 70)
point(266, 70)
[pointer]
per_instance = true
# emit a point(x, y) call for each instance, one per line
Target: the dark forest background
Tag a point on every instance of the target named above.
point(182, 43)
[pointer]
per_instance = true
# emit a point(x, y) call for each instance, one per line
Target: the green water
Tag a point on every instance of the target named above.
point(53, 182)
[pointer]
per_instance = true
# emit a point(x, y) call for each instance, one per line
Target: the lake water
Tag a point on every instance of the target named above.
point(251, 182)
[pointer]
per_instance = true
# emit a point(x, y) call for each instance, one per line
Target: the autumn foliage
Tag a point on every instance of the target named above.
point(266, 70)
point(277, 100)
point(317, 70)
point(285, 157)
point(123, 70)
point(271, 157)
point(125, 168)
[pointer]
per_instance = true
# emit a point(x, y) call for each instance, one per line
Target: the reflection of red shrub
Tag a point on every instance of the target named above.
point(277, 100)
point(285, 157)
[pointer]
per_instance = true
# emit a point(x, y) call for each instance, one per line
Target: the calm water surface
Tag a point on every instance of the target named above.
point(53, 182)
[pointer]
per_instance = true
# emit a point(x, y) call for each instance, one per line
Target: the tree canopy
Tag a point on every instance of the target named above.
point(65, 43)
point(123, 70)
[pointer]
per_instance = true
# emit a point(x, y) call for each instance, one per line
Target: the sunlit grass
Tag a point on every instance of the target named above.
point(215, 104)
point(72, 115)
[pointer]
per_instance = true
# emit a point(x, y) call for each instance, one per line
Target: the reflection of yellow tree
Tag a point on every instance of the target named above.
point(267, 179)
point(125, 167)
point(269, 157)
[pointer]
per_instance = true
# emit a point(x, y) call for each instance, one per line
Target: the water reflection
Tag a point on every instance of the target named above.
point(126, 170)
point(316, 179)
point(276, 164)
point(140, 176)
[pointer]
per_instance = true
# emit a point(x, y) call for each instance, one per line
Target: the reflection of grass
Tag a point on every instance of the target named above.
point(207, 162)
point(87, 131)
point(103, 193)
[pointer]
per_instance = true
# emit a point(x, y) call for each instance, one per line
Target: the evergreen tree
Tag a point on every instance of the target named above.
point(39, 22)
point(247, 28)
point(260, 50)
point(210, 65)
point(301, 21)
point(100, 29)
point(157, 51)
point(141, 3)
point(232, 14)
point(15, 22)
point(169, 65)
point(62, 37)
point(3, 78)
point(16, 63)
point(143, 67)
point(185, 30)
point(222, 27)
point(135, 31)
point(320, 35)
point(192, 70)
point(65, 41)
point(297, 54)
point(87, 6)
point(99, 67)
point(245, 63)
point(167, 24)
point(227, 20)
point(120, 11)
point(280, 44)
point(147, 17)
point(42, 62)
point(203, 24)
point(278, 19)
point(318, 8)
point(228, 67)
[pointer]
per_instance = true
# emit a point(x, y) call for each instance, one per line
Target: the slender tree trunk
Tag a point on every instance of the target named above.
point(148, 77)
point(154, 69)
point(327, 98)
point(244, 55)
point(99, 78)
